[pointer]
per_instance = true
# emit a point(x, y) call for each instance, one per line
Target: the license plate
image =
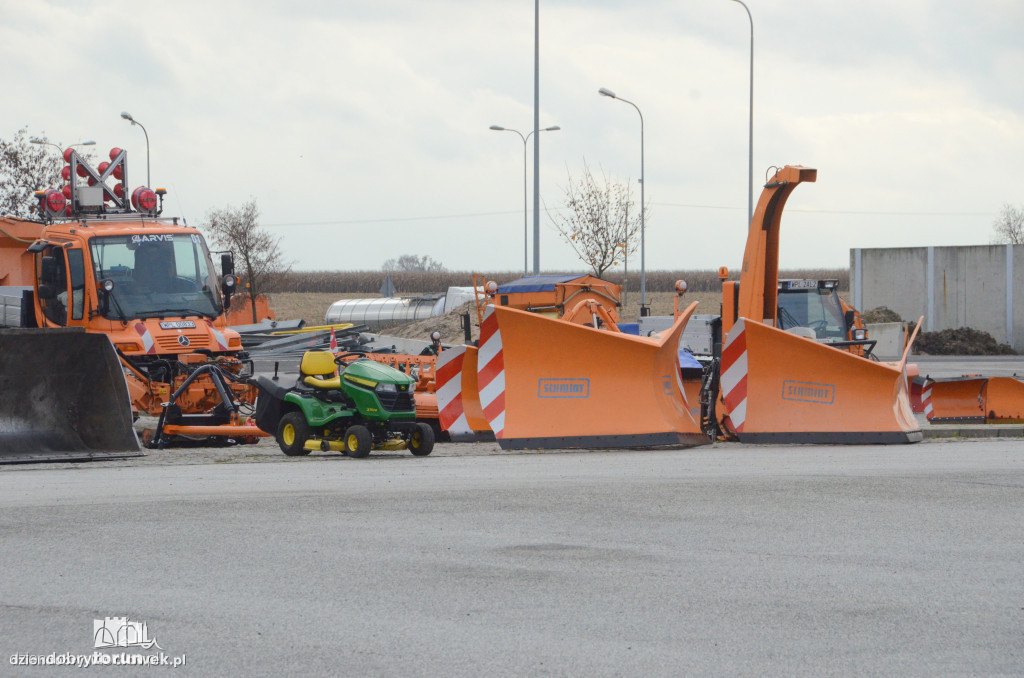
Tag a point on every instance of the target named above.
point(178, 325)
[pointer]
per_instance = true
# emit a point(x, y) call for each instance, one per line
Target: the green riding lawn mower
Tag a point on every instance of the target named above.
point(347, 404)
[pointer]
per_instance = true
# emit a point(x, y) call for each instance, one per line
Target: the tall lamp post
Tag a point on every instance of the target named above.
point(37, 140)
point(526, 227)
point(750, 160)
point(128, 116)
point(643, 205)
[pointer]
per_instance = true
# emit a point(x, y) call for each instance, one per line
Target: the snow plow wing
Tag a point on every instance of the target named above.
point(778, 387)
point(547, 383)
point(458, 400)
point(989, 400)
point(63, 397)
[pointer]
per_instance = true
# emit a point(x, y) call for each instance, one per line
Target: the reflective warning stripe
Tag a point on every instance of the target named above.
point(448, 386)
point(926, 400)
point(222, 342)
point(148, 345)
point(491, 373)
point(734, 374)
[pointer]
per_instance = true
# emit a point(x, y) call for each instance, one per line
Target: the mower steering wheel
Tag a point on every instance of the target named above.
point(340, 359)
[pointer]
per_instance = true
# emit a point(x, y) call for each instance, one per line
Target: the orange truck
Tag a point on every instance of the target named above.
point(105, 264)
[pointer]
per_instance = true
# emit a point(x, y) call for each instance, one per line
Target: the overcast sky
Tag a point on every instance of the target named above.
point(361, 127)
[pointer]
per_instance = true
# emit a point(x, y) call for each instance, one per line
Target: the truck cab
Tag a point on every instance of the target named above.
point(150, 285)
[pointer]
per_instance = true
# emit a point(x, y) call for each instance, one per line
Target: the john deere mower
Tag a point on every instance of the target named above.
point(347, 404)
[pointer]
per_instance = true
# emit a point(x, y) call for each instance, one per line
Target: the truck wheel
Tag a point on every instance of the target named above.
point(421, 442)
point(358, 441)
point(292, 434)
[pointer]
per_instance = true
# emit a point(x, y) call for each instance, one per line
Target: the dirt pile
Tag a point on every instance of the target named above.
point(961, 341)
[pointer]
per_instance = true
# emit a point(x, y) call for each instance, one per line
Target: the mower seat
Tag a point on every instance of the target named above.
point(318, 370)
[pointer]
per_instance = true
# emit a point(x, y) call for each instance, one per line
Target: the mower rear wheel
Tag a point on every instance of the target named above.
point(292, 434)
point(358, 441)
point(421, 442)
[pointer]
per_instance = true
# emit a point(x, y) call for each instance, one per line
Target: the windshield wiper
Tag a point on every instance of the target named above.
point(183, 312)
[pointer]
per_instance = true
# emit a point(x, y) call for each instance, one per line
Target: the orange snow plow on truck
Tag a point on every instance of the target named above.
point(111, 266)
point(574, 380)
point(552, 370)
point(781, 386)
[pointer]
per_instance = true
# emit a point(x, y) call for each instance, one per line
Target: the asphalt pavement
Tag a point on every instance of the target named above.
point(725, 560)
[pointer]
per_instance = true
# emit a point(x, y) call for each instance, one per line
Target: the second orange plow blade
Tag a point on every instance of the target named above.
point(781, 388)
point(547, 383)
point(991, 400)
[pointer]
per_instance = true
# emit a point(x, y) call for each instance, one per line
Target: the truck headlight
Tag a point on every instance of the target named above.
point(860, 335)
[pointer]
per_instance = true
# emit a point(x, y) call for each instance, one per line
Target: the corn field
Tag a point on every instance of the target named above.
point(425, 282)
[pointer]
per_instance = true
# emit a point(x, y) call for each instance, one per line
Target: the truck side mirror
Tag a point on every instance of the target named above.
point(848, 317)
point(227, 264)
point(228, 283)
point(47, 291)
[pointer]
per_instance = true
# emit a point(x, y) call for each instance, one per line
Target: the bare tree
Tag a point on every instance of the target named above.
point(1009, 226)
point(24, 169)
point(258, 257)
point(601, 221)
point(412, 262)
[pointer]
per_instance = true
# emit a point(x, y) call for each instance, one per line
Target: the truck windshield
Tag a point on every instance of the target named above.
point(818, 309)
point(156, 274)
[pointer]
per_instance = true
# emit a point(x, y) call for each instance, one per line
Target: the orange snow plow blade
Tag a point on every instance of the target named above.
point(458, 401)
point(547, 383)
point(991, 400)
point(778, 387)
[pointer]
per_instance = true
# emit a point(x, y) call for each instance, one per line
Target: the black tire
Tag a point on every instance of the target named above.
point(421, 442)
point(292, 434)
point(358, 441)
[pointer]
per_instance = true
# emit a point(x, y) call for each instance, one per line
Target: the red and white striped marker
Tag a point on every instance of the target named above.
point(491, 373)
point(147, 339)
point(926, 400)
point(734, 374)
point(448, 385)
point(334, 341)
point(218, 337)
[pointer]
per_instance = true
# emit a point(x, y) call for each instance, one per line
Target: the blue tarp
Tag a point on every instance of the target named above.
point(686, 359)
point(537, 283)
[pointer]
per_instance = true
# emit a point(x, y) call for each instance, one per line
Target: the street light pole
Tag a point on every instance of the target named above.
point(643, 205)
point(536, 139)
point(128, 116)
point(526, 226)
point(37, 140)
point(750, 160)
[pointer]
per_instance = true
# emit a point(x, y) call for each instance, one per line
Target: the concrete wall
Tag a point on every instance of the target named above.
point(977, 286)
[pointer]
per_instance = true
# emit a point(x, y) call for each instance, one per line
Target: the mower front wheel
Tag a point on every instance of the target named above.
point(358, 441)
point(292, 434)
point(421, 442)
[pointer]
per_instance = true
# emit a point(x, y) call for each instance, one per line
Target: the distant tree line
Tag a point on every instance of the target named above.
point(424, 282)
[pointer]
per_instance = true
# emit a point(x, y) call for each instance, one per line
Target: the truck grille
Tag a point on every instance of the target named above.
point(397, 402)
point(169, 343)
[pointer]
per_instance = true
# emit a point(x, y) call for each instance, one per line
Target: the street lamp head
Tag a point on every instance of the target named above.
point(36, 140)
point(128, 116)
point(497, 128)
point(605, 92)
point(553, 128)
point(86, 143)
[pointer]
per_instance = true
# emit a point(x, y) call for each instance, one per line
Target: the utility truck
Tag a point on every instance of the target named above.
point(101, 262)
